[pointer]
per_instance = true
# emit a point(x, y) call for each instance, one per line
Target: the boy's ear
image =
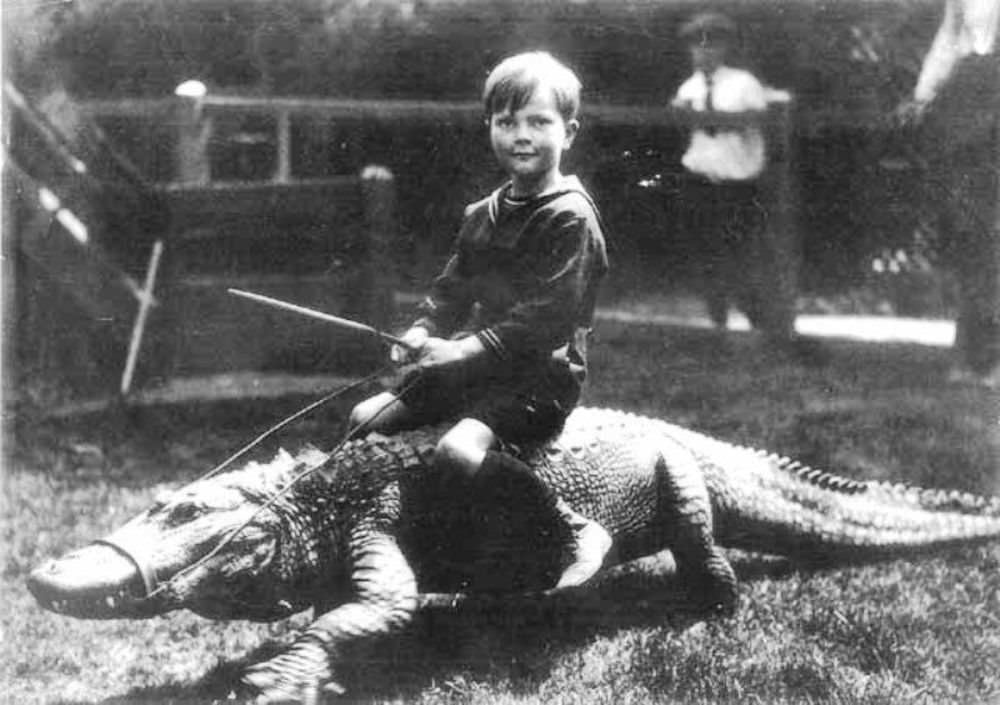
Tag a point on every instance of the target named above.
point(572, 128)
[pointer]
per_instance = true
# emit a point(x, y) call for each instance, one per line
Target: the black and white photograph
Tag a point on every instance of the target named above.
point(500, 352)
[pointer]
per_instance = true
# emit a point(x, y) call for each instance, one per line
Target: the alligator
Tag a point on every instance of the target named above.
point(368, 535)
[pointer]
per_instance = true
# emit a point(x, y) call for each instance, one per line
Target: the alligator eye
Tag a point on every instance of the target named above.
point(181, 514)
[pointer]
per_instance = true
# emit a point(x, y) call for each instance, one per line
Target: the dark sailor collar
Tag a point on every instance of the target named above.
point(501, 204)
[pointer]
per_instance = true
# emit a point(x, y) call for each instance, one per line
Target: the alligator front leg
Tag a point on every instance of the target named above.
point(385, 592)
point(686, 507)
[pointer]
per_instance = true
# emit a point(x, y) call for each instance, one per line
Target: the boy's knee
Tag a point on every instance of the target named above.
point(356, 417)
point(357, 422)
point(463, 448)
point(453, 456)
point(381, 413)
point(360, 415)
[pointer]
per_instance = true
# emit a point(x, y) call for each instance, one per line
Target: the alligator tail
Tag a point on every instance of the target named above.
point(787, 508)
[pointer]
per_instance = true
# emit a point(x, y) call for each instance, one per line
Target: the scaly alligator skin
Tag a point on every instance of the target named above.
point(372, 531)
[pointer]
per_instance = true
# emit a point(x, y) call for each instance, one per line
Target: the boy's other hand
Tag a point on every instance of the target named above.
point(438, 352)
point(415, 339)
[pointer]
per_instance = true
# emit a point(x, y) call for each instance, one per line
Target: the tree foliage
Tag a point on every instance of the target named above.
point(855, 54)
point(847, 62)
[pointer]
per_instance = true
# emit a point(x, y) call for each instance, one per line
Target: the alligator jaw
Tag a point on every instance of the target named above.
point(94, 582)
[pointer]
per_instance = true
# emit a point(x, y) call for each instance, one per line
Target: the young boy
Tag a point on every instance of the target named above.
point(502, 340)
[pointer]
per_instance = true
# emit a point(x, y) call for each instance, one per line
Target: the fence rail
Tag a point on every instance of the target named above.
point(469, 112)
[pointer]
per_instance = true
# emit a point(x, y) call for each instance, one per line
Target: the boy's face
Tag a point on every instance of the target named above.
point(529, 142)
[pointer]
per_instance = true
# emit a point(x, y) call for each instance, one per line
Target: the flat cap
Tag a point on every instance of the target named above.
point(708, 25)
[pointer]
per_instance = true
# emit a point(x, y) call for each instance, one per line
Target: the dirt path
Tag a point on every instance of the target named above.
point(673, 309)
point(688, 311)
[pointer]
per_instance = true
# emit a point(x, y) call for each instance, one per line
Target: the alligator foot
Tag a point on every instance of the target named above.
point(709, 597)
point(712, 586)
point(301, 674)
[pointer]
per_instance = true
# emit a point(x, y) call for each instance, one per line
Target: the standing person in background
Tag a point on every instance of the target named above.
point(956, 103)
point(725, 107)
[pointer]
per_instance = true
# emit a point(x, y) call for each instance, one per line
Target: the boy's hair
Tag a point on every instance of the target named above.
point(513, 82)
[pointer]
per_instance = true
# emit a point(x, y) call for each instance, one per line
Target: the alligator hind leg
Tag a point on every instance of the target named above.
point(686, 515)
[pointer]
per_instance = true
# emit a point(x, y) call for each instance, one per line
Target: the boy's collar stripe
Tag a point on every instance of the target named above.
point(565, 184)
point(508, 237)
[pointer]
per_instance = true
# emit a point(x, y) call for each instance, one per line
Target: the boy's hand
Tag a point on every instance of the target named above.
point(415, 339)
point(438, 352)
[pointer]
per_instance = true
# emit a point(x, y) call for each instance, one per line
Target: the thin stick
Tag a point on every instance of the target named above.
point(319, 315)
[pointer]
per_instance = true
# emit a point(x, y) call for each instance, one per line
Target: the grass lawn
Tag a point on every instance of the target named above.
point(921, 630)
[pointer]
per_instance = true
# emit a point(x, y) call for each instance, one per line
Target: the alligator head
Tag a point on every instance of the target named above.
point(220, 547)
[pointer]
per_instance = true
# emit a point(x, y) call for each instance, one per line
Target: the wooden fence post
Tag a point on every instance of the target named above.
point(781, 241)
point(193, 131)
point(378, 195)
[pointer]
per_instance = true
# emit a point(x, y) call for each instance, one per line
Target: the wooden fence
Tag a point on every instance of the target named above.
point(280, 196)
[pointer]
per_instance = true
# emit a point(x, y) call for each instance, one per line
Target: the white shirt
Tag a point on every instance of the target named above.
point(728, 154)
point(968, 27)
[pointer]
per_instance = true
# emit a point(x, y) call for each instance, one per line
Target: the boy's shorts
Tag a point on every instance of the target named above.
point(528, 406)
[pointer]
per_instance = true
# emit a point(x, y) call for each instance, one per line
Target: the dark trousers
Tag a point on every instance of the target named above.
point(730, 222)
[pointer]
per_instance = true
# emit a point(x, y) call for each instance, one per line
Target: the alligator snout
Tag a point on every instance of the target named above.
point(95, 582)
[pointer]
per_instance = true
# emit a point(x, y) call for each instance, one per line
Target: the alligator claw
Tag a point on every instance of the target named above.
point(302, 674)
